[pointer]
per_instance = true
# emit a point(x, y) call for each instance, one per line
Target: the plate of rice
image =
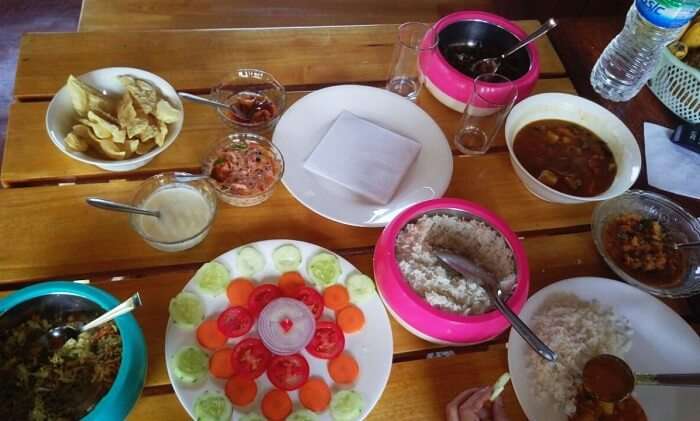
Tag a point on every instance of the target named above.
point(580, 318)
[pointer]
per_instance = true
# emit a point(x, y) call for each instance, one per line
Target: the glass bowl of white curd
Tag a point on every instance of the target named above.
point(187, 210)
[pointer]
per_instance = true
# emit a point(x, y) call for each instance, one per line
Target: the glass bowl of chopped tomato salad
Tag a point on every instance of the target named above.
point(245, 168)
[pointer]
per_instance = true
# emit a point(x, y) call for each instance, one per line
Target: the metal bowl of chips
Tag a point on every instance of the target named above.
point(116, 118)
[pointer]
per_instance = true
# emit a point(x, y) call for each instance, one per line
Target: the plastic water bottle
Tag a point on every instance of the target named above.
point(631, 57)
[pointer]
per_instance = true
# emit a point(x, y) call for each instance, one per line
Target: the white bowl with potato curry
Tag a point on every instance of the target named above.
point(116, 118)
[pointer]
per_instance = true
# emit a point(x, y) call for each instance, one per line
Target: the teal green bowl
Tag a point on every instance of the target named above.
point(126, 389)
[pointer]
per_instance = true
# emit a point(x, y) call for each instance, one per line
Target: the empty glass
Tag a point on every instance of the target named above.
point(492, 98)
point(404, 75)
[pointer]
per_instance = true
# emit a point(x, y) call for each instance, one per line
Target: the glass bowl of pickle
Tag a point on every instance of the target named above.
point(256, 100)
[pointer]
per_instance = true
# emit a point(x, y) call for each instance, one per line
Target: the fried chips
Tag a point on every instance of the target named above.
point(119, 128)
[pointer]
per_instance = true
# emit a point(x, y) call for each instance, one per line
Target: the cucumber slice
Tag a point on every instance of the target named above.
point(347, 405)
point(360, 287)
point(187, 310)
point(212, 406)
point(190, 365)
point(253, 416)
point(286, 258)
point(324, 269)
point(212, 278)
point(302, 415)
point(249, 261)
point(499, 386)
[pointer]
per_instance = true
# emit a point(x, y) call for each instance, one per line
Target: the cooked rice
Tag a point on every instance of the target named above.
point(577, 331)
point(445, 289)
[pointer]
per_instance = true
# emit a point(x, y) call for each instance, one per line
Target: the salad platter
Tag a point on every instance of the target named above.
point(262, 328)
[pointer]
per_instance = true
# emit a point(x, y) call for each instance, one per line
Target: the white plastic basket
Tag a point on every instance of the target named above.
point(677, 86)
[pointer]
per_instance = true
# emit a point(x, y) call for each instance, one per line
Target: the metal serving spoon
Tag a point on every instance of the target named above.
point(120, 207)
point(491, 65)
point(678, 246)
point(212, 103)
point(58, 336)
point(181, 178)
point(468, 269)
point(611, 380)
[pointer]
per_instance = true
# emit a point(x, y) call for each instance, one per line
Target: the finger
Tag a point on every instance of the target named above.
point(485, 414)
point(499, 411)
point(466, 414)
point(451, 413)
point(476, 401)
point(457, 401)
point(452, 408)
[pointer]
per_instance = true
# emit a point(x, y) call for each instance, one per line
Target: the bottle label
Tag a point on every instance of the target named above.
point(667, 13)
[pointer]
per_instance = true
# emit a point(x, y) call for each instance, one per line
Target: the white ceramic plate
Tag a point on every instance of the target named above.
point(662, 342)
point(372, 347)
point(303, 125)
point(60, 116)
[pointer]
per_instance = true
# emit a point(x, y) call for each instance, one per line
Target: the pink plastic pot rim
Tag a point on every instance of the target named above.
point(413, 308)
point(450, 81)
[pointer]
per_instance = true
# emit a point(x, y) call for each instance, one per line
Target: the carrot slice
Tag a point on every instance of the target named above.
point(276, 405)
point(343, 369)
point(209, 335)
point(238, 291)
point(220, 363)
point(350, 319)
point(290, 282)
point(336, 297)
point(315, 395)
point(241, 391)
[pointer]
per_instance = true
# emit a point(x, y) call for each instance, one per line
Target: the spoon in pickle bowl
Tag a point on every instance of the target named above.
point(491, 65)
point(120, 207)
point(212, 103)
point(468, 269)
point(59, 335)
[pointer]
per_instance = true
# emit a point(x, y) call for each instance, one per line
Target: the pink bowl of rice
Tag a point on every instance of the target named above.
point(436, 304)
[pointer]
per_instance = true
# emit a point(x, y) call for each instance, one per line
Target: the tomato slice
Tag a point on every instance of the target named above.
point(235, 321)
point(261, 296)
point(250, 358)
point(288, 372)
point(312, 299)
point(328, 341)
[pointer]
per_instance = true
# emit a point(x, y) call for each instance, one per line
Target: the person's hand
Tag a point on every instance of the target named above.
point(470, 406)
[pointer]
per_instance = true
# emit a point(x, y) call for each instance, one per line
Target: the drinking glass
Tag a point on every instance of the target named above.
point(491, 100)
point(404, 76)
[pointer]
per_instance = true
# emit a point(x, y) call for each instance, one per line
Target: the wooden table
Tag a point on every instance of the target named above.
point(49, 233)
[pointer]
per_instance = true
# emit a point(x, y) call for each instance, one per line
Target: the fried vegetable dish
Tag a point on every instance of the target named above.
point(37, 383)
point(642, 247)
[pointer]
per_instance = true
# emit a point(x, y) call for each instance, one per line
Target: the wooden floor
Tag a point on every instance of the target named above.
point(17, 17)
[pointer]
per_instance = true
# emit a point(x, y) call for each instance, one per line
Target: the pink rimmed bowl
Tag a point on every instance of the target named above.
point(490, 33)
point(412, 311)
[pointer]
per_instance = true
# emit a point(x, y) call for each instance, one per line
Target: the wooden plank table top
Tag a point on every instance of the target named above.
point(106, 15)
point(49, 233)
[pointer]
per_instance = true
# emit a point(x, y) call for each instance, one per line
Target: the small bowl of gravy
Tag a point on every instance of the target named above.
point(187, 210)
point(567, 149)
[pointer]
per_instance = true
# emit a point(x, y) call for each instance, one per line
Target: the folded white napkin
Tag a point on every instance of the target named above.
point(670, 167)
point(363, 157)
